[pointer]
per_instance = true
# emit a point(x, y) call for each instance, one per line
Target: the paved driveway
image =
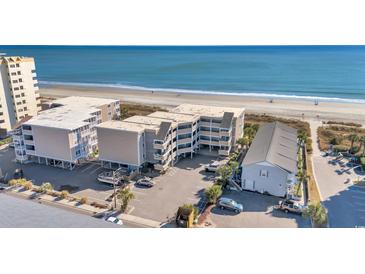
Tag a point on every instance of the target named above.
point(182, 184)
point(83, 177)
point(257, 212)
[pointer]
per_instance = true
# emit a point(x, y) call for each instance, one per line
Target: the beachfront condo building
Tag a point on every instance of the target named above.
point(64, 135)
point(19, 95)
point(160, 139)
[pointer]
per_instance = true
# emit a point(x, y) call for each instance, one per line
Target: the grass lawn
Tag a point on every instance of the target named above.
point(5, 141)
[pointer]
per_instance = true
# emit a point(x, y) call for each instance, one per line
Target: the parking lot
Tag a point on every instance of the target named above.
point(182, 184)
point(344, 201)
point(82, 177)
point(257, 212)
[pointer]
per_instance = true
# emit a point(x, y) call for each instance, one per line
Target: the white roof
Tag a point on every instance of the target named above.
point(72, 114)
point(209, 111)
point(126, 126)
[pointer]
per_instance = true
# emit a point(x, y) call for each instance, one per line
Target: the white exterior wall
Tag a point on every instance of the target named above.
point(275, 183)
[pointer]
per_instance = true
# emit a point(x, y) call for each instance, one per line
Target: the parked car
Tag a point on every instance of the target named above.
point(212, 167)
point(18, 174)
point(227, 203)
point(115, 220)
point(290, 206)
point(146, 181)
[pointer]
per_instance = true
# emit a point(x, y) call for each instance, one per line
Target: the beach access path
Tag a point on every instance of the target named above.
point(294, 108)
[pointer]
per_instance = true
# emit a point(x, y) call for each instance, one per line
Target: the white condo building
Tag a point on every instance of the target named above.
point(64, 134)
point(19, 95)
point(161, 138)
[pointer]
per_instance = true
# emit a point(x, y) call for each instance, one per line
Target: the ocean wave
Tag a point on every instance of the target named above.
point(186, 91)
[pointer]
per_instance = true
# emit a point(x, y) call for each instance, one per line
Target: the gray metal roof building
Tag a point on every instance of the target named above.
point(275, 143)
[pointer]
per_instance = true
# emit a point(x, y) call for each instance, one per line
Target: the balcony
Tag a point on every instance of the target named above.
point(217, 125)
point(184, 141)
point(184, 131)
point(214, 143)
point(225, 143)
point(184, 150)
point(204, 142)
point(225, 133)
point(205, 124)
point(223, 152)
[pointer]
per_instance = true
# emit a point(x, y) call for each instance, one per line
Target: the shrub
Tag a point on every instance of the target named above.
point(46, 186)
point(83, 200)
point(340, 148)
point(362, 162)
point(64, 194)
point(28, 185)
point(213, 193)
point(13, 182)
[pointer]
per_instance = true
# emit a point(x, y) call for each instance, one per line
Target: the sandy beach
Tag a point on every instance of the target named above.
point(302, 109)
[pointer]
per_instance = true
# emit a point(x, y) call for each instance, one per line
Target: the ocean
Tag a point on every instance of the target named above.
point(324, 72)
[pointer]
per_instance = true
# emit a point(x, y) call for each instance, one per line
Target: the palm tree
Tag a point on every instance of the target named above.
point(125, 195)
point(353, 138)
point(362, 144)
point(317, 213)
point(213, 193)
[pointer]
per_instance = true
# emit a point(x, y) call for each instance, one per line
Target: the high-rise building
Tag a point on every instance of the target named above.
point(19, 95)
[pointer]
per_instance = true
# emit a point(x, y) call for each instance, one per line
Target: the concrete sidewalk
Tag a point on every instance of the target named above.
point(140, 221)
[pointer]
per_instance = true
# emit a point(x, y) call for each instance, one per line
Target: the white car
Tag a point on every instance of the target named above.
point(115, 220)
point(212, 167)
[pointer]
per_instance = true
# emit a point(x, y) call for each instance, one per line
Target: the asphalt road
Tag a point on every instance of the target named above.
point(20, 213)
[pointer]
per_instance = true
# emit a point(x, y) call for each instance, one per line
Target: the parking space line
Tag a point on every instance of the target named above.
point(95, 170)
point(358, 197)
point(87, 168)
point(359, 204)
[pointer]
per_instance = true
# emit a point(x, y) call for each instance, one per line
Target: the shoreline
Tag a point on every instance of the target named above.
point(284, 107)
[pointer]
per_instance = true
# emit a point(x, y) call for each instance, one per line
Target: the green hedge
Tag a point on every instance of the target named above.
point(362, 162)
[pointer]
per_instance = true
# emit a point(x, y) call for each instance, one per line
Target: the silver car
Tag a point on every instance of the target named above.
point(227, 203)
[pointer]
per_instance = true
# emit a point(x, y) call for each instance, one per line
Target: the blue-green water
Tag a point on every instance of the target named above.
point(331, 72)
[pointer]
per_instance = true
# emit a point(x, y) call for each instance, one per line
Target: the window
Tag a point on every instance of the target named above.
point(17, 65)
point(27, 127)
point(20, 80)
point(23, 94)
point(15, 81)
point(264, 173)
point(19, 73)
point(21, 87)
point(28, 137)
point(29, 147)
point(2, 121)
point(13, 73)
point(12, 66)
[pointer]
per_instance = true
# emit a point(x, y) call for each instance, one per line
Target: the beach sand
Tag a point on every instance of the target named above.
point(293, 108)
